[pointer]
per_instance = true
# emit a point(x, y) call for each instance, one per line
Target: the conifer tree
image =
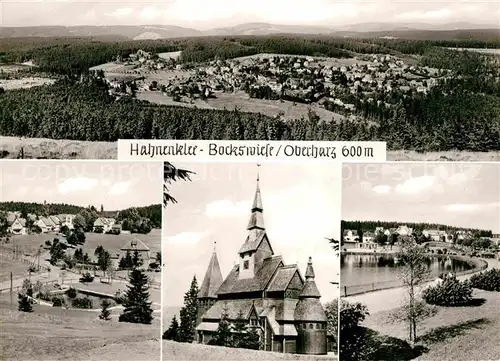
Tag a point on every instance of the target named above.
point(222, 336)
point(239, 331)
point(173, 331)
point(24, 303)
point(137, 305)
point(189, 313)
point(105, 313)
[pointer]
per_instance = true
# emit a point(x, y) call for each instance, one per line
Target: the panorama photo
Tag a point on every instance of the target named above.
point(76, 76)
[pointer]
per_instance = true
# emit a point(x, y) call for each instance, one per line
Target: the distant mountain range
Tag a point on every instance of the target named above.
point(145, 32)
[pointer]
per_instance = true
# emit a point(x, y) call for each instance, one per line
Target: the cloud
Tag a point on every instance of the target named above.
point(77, 184)
point(119, 188)
point(186, 238)
point(382, 189)
point(121, 12)
point(227, 208)
point(470, 207)
point(441, 14)
point(415, 185)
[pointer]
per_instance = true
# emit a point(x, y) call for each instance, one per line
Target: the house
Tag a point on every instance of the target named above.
point(103, 225)
point(46, 224)
point(136, 245)
point(435, 235)
point(273, 298)
point(350, 236)
point(66, 220)
point(17, 226)
point(379, 230)
point(404, 231)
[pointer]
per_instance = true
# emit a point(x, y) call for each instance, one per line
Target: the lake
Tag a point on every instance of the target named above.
point(363, 273)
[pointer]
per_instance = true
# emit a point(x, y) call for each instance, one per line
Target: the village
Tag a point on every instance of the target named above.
point(383, 239)
point(336, 85)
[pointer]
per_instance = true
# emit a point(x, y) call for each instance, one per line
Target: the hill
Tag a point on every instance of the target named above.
point(419, 31)
point(184, 351)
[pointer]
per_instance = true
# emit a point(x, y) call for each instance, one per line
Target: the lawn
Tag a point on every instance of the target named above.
point(454, 333)
point(46, 335)
point(112, 243)
point(19, 269)
point(184, 351)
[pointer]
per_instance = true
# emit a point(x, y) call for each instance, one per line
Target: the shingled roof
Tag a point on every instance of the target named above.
point(309, 307)
point(212, 280)
point(232, 284)
point(282, 278)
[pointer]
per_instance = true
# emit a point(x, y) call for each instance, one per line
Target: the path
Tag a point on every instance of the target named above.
point(389, 299)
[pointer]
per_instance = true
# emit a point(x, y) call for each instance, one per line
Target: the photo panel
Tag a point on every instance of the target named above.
point(250, 260)
point(80, 255)
point(420, 261)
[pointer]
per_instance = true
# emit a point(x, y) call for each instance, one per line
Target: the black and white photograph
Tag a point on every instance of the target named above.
point(80, 260)
point(251, 263)
point(420, 261)
point(76, 76)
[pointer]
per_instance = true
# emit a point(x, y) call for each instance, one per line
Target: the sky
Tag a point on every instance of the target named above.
point(204, 15)
point(301, 207)
point(456, 194)
point(115, 185)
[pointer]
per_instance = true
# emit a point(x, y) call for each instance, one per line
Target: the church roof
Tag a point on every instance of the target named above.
point(310, 290)
point(256, 218)
point(212, 280)
point(282, 310)
point(134, 245)
point(310, 309)
point(232, 284)
point(282, 278)
point(254, 238)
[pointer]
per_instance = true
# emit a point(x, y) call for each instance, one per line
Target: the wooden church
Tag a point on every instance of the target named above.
point(282, 305)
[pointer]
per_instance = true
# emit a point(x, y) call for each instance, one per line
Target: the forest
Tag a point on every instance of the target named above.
point(369, 226)
point(460, 113)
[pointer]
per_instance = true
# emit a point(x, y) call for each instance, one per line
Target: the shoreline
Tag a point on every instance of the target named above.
point(390, 298)
point(479, 265)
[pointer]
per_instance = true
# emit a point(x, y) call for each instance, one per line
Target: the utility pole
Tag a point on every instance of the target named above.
point(11, 290)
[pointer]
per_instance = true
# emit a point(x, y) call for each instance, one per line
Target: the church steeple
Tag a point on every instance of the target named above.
point(256, 218)
point(213, 278)
point(310, 290)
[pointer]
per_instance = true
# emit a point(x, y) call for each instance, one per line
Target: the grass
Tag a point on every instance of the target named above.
point(37, 148)
point(453, 333)
point(184, 351)
point(112, 243)
point(19, 269)
point(46, 335)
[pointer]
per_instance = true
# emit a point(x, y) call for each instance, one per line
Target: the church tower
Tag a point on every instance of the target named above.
point(207, 295)
point(310, 318)
point(256, 247)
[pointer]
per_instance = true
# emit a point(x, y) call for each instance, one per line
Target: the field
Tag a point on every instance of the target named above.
point(454, 333)
point(112, 243)
point(54, 334)
point(183, 351)
point(70, 149)
point(22, 83)
point(19, 269)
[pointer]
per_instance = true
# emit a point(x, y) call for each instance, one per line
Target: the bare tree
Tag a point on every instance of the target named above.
point(413, 272)
point(172, 174)
point(336, 248)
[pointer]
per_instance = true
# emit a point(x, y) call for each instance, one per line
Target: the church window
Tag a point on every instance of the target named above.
point(311, 326)
point(318, 326)
point(245, 264)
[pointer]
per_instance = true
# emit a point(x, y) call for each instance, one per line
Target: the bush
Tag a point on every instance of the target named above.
point(105, 313)
point(83, 302)
point(24, 303)
point(86, 278)
point(488, 280)
point(45, 296)
point(71, 293)
point(352, 335)
point(451, 292)
point(57, 301)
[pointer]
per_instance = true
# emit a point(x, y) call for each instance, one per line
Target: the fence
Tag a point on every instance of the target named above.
point(479, 265)
point(43, 283)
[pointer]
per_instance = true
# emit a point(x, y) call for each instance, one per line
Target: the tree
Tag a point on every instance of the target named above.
point(104, 260)
point(351, 334)
point(189, 313)
point(222, 336)
point(158, 258)
point(239, 331)
point(173, 331)
point(332, 316)
point(105, 313)
point(79, 222)
point(413, 272)
point(137, 304)
point(4, 225)
point(24, 303)
point(172, 174)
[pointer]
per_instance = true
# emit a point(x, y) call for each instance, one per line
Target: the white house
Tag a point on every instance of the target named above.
point(18, 226)
point(136, 245)
point(104, 224)
point(404, 231)
point(351, 236)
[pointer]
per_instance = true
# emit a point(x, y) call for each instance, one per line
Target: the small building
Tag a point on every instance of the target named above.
point(136, 245)
point(103, 225)
point(17, 226)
